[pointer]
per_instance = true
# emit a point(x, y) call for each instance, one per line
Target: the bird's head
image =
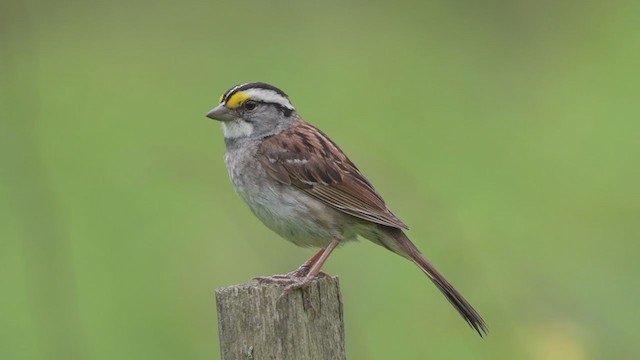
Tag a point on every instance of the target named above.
point(253, 110)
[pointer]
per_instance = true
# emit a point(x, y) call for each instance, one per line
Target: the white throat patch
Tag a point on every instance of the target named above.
point(237, 128)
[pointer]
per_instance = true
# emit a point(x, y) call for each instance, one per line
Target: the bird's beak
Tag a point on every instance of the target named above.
point(221, 113)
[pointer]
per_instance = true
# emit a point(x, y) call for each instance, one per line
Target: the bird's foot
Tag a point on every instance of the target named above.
point(301, 282)
point(297, 279)
point(290, 278)
point(276, 279)
point(287, 278)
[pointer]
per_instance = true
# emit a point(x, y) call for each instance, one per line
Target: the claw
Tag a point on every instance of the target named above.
point(296, 285)
point(294, 280)
point(300, 283)
point(288, 278)
point(274, 279)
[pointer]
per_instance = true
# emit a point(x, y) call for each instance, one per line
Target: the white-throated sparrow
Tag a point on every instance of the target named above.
point(302, 186)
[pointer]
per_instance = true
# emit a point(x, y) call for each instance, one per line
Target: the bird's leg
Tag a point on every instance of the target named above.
point(303, 270)
point(288, 278)
point(313, 272)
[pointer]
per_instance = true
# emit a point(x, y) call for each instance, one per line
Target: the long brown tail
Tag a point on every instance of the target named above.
point(455, 298)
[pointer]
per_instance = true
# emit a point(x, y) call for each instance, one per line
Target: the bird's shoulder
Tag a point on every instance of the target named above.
point(305, 157)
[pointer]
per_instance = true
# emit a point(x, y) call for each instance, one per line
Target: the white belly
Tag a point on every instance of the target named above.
point(288, 211)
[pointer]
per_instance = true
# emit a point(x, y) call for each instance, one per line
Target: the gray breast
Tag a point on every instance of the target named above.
point(285, 209)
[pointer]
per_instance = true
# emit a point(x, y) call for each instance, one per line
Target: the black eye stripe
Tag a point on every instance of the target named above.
point(286, 111)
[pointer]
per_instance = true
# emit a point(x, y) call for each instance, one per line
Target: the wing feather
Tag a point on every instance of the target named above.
point(305, 157)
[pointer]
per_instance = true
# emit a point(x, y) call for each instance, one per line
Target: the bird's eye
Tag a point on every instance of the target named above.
point(250, 105)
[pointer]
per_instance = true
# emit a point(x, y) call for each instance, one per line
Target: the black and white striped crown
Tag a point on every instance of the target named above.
point(256, 91)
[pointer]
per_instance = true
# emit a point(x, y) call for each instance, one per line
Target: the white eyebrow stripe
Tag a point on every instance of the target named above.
point(268, 96)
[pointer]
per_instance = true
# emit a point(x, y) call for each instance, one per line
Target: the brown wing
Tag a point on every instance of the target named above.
point(305, 157)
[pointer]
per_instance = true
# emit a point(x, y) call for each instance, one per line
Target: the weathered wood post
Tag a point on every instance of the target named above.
point(306, 324)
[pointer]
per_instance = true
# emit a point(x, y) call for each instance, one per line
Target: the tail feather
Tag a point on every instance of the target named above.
point(456, 299)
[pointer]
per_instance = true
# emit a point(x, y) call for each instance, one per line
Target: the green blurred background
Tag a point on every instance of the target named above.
point(506, 134)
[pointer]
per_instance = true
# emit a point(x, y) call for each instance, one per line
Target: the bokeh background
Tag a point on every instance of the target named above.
point(506, 134)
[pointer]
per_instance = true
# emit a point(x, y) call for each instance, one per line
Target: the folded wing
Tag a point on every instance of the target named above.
point(305, 157)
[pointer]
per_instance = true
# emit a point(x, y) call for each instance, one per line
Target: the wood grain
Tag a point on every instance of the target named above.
point(306, 324)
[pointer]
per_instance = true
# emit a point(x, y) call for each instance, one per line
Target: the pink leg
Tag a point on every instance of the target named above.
point(291, 277)
point(315, 270)
point(311, 262)
point(324, 255)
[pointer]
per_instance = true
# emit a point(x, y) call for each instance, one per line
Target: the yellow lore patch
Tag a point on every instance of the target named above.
point(237, 99)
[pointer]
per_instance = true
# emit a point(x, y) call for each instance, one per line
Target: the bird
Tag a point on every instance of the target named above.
point(301, 185)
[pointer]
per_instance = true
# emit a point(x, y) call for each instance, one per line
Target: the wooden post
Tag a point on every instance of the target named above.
point(306, 324)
